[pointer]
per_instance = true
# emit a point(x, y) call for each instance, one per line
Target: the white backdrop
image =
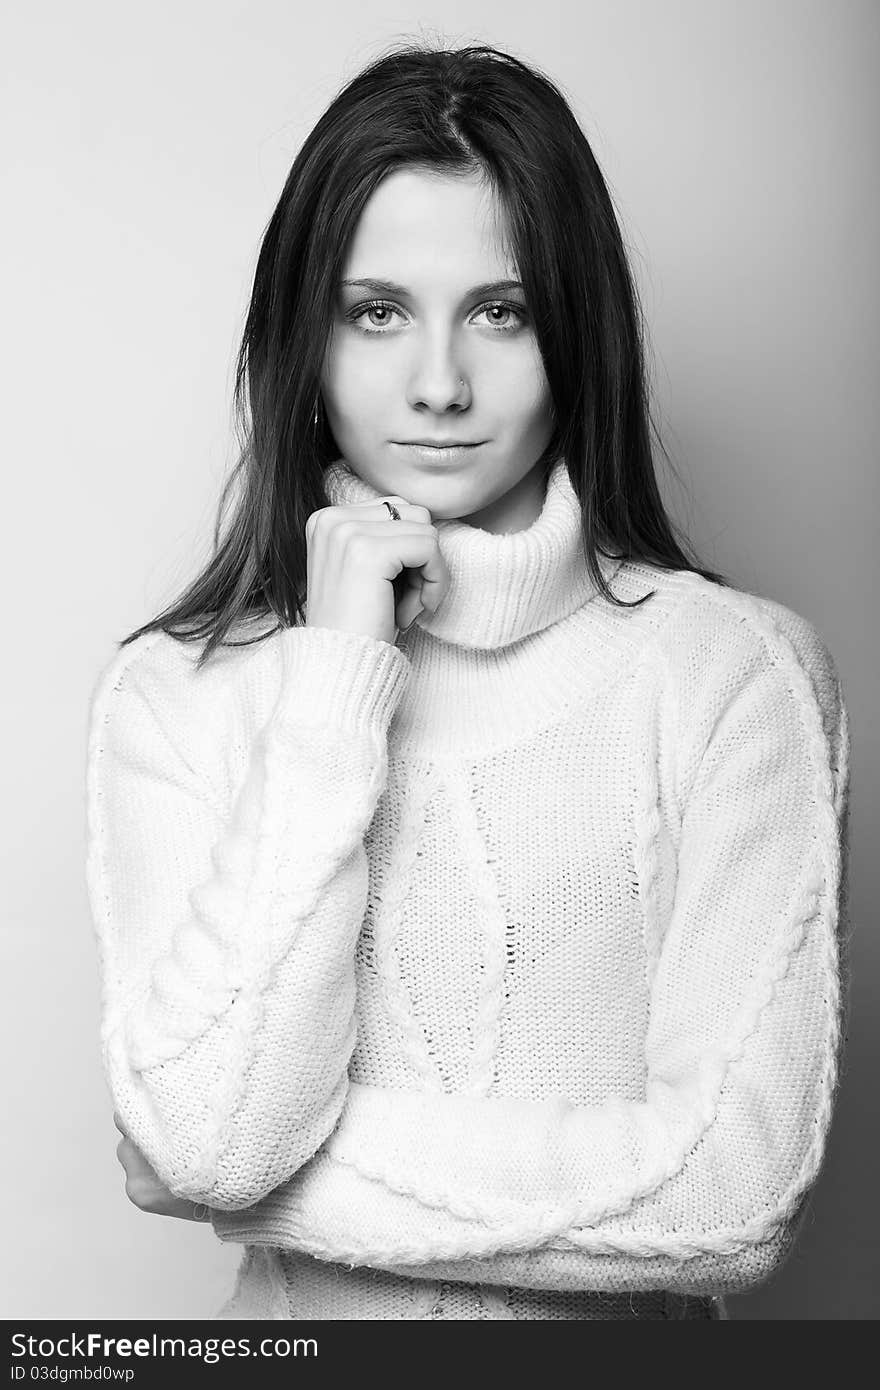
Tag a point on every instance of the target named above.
point(144, 148)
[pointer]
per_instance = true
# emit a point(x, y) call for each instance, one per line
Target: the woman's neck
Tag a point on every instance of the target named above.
point(516, 509)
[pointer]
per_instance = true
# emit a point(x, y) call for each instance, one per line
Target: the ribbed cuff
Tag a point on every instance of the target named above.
point(332, 677)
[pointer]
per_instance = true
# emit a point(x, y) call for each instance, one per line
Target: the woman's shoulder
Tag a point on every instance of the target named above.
point(713, 636)
point(159, 672)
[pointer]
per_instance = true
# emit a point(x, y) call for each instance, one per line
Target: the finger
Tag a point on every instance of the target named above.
point(409, 604)
point(409, 608)
point(329, 517)
point(164, 1203)
point(412, 511)
point(428, 572)
point(435, 581)
point(118, 1122)
point(404, 543)
point(410, 545)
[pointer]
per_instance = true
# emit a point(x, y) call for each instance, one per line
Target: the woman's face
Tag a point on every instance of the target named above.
point(432, 347)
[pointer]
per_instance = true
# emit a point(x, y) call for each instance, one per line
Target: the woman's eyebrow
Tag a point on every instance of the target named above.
point(390, 287)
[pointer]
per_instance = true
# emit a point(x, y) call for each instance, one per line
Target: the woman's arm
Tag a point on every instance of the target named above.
point(227, 934)
point(704, 1179)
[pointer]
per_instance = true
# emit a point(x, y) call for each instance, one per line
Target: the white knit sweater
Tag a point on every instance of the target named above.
point(503, 960)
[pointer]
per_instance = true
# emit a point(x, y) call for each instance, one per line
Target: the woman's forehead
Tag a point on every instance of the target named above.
point(431, 223)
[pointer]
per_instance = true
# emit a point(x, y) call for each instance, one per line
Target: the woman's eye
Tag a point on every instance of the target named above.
point(503, 309)
point(384, 311)
point(379, 315)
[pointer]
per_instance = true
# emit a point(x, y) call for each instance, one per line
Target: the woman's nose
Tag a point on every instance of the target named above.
point(438, 381)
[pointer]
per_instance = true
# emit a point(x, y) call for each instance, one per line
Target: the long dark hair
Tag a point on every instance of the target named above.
point(462, 110)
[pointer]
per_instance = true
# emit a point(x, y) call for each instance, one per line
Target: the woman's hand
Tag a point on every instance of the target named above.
point(370, 574)
point(145, 1189)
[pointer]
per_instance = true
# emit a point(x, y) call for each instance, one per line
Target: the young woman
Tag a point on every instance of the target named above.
point(468, 866)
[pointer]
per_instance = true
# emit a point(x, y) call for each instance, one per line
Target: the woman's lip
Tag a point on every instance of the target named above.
point(438, 451)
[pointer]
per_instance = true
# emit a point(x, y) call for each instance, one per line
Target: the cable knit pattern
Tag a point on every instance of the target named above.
point(495, 973)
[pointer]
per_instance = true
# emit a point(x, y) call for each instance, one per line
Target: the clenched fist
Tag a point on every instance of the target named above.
point(368, 573)
point(146, 1190)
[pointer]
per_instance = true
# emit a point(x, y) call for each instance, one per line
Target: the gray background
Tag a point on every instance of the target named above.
point(144, 150)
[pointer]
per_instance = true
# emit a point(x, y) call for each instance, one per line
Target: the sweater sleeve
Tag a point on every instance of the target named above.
point(700, 1185)
point(227, 932)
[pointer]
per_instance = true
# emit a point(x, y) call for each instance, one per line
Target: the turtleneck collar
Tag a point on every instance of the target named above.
point(502, 587)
